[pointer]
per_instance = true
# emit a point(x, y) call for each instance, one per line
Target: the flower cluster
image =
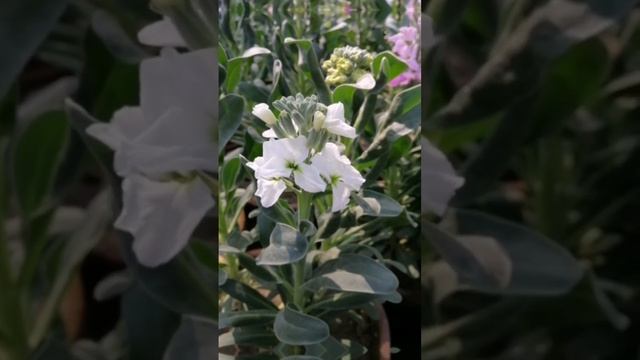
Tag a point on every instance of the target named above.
point(347, 65)
point(299, 146)
point(406, 44)
point(163, 149)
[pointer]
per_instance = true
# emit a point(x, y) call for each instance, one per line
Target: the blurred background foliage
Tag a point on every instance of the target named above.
point(69, 285)
point(536, 103)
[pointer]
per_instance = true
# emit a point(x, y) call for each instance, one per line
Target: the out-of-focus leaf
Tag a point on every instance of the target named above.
point(38, 153)
point(24, 24)
point(514, 69)
point(231, 109)
point(571, 80)
point(78, 246)
point(195, 339)
point(497, 256)
point(149, 326)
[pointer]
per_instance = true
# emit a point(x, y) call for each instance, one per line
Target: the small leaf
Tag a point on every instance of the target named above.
point(296, 328)
point(286, 246)
point(235, 66)
point(393, 68)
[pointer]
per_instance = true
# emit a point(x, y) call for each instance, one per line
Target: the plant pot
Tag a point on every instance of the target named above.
point(384, 334)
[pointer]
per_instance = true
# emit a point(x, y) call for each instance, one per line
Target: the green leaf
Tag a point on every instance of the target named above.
point(231, 109)
point(81, 242)
point(353, 273)
point(393, 68)
point(246, 294)
point(38, 153)
point(310, 60)
point(235, 66)
point(259, 272)
point(230, 171)
point(374, 203)
point(246, 318)
point(286, 246)
point(195, 339)
point(330, 349)
point(249, 335)
point(24, 25)
point(149, 326)
point(295, 328)
point(497, 256)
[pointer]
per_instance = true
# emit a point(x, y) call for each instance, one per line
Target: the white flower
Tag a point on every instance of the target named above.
point(439, 180)
point(340, 174)
point(171, 131)
point(335, 123)
point(280, 159)
point(262, 112)
point(161, 215)
point(161, 33)
point(269, 191)
point(158, 147)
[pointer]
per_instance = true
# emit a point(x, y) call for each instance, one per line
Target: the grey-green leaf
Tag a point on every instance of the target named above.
point(286, 246)
point(354, 273)
point(296, 328)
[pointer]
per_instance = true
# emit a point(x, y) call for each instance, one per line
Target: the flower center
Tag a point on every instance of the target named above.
point(292, 166)
point(334, 180)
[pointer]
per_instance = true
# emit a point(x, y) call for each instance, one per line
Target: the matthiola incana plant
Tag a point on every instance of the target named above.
point(307, 224)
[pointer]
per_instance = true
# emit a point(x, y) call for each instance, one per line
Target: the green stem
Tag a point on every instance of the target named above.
point(304, 213)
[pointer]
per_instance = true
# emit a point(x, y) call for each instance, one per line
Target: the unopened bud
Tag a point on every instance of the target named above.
point(262, 112)
point(318, 120)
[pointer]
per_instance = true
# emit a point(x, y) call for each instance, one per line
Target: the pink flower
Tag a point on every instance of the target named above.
point(406, 44)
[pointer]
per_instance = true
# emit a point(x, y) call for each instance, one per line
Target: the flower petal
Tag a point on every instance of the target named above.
point(162, 216)
point(176, 142)
point(340, 197)
point(269, 191)
point(270, 134)
point(186, 81)
point(126, 124)
point(308, 178)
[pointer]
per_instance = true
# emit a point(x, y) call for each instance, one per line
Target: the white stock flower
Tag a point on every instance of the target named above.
point(161, 215)
point(335, 123)
point(439, 179)
point(158, 147)
point(280, 159)
point(340, 174)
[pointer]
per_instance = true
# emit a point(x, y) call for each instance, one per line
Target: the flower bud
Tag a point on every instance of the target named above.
point(318, 120)
point(262, 112)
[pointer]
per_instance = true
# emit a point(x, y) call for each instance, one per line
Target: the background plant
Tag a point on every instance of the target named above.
point(541, 125)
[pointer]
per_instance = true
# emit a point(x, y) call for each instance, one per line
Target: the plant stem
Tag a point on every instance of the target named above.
point(304, 213)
